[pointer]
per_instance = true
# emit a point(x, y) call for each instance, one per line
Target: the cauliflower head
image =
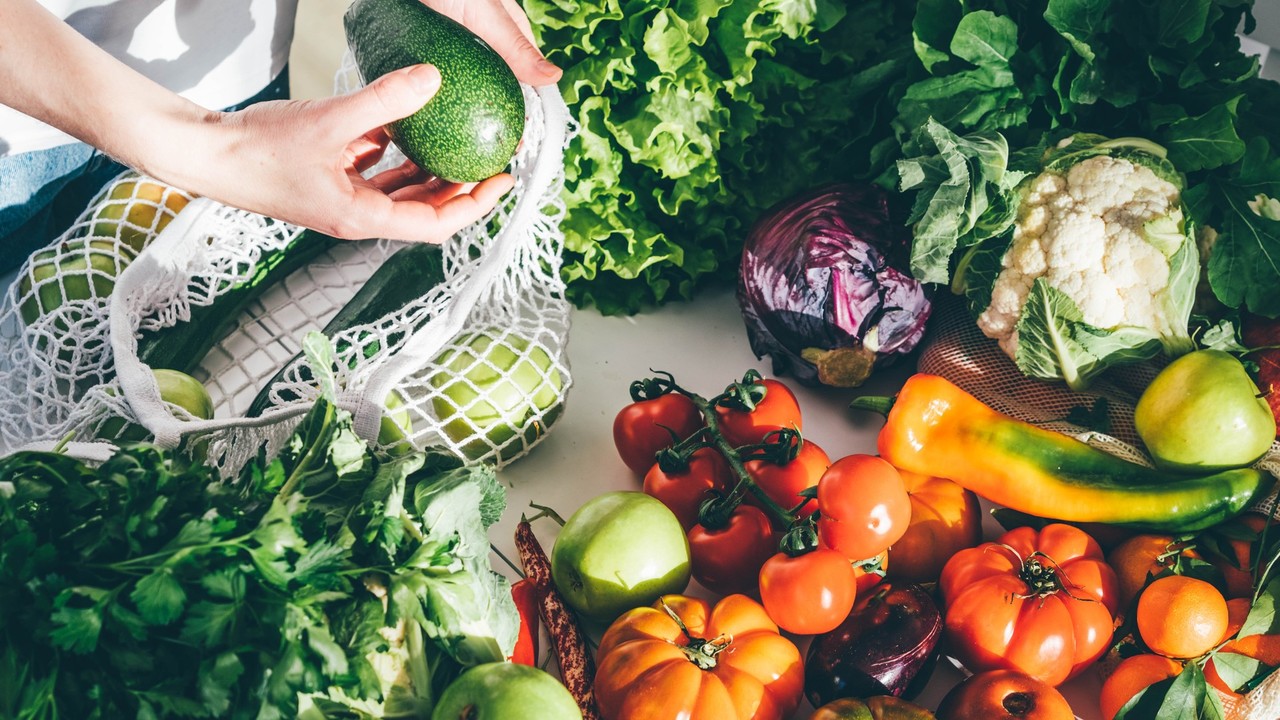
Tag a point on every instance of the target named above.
point(1100, 265)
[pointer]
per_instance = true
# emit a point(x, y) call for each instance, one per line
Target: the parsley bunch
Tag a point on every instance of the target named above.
point(324, 583)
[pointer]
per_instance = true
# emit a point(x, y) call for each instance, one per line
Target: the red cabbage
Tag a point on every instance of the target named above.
point(823, 286)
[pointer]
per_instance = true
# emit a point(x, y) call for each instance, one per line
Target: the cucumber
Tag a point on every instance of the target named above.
point(469, 130)
point(403, 278)
point(182, 346)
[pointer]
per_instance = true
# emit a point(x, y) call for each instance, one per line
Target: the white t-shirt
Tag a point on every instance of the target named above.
point(214, 52)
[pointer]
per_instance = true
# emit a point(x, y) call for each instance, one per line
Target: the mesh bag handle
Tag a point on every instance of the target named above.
point(390, 370)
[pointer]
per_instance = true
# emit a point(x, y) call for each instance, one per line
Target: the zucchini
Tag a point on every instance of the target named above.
point(403, 278)
point(182, 346)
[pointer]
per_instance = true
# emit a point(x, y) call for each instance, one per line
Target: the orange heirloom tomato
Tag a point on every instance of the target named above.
point(945, 519)
point(1038, 602)
point(681, 659)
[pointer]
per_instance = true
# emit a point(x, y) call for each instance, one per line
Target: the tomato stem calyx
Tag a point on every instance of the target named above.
point(652, 387)
point(699, 651)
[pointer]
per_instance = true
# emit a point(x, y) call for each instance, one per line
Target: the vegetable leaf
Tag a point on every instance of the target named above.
point(1235, 669)
point(1263, 618)
point(1055, 342)
point(159, 597)
point(1244, 265)
point(1206, 141)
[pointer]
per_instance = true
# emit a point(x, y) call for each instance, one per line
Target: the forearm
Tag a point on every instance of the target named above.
point(52, 73)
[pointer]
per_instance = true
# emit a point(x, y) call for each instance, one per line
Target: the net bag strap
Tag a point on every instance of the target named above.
point(376, 379)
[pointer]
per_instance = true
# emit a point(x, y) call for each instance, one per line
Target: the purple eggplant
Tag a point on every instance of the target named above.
point(887, 646)
point(824, 287)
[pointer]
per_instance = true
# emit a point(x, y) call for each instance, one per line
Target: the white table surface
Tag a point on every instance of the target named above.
point(703, 344)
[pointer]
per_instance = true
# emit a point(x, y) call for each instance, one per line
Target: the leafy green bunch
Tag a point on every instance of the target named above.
point(325, 583)
point(695, 115)
point(1005, 74)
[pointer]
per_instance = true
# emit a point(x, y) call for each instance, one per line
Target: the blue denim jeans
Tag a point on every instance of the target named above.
point(44, 191)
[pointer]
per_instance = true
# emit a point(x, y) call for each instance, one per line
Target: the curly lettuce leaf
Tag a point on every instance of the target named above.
point(695, 115)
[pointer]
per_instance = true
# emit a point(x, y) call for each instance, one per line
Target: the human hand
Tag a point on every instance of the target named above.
point(503, 25)
point(295, 160)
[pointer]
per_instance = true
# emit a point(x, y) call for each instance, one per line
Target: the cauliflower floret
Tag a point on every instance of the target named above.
point(1083, 231)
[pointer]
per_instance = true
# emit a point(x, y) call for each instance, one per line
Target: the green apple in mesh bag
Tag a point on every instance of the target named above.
point(493, 385)
point(80, 269)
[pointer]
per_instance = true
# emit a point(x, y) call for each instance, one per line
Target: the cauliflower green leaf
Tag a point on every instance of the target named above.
point(1054, 341)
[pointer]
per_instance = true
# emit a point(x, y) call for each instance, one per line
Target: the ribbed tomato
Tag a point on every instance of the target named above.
point(681, 658)
point(1038, 602)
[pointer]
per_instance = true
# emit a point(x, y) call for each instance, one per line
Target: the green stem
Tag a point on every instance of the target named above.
point(881, 404)
point(730, 453)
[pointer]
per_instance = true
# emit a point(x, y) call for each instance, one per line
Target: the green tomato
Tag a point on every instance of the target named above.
point(505, 691)
point(1203, 413)
point(619, 551)
point(496, 385)
point(880, 707)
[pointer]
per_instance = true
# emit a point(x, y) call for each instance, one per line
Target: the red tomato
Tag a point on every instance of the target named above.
point(1004, 695)
point(776, 410)
point(865, 506)
point(640, 429)
point(810, 593)
point(783, 483)
point(728, 560)
point(1037, 602)
point(684, 491)
point(945, 519)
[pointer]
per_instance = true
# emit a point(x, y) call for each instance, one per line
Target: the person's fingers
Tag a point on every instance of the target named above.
point(363, 153)
point(413, 221)
point(514, 43)
point(391, 97)
point(517, 14)
point(397, 177)
point(435, 191)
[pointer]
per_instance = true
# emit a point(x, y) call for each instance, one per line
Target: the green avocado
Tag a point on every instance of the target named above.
point(470, 129)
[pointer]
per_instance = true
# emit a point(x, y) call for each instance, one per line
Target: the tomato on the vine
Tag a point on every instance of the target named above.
point(684, 491)
point(644, 427)
point(1038, 602)
point(810, 593)
point(777, 409)
point(865, 506)
point(727, 560)
point(783, 483)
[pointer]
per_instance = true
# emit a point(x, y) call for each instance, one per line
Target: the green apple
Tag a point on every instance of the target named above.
point(176, 388)
point(620, 550)
point(79, 269)
point(496, 384)
point(505, 691)
point(1203, 413)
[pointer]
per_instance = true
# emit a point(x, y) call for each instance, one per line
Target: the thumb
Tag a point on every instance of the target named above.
point(393, 96)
